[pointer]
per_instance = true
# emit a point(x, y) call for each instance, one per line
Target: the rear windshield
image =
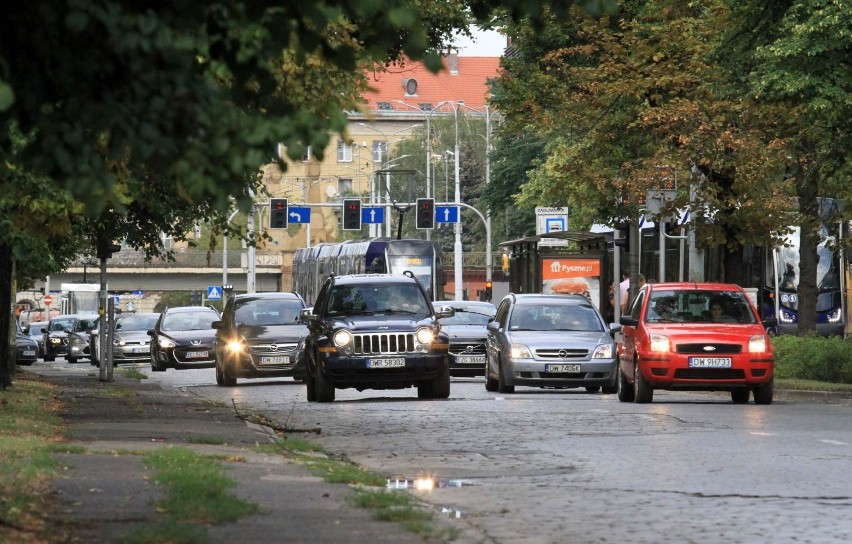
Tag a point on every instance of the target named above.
point(699, 306)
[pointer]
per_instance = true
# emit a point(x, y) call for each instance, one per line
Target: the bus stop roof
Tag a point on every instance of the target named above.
point(581, 237)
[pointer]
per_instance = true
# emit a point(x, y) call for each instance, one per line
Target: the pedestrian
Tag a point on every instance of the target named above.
point(624, 290)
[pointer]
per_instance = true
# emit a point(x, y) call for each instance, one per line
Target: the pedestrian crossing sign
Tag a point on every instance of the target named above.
point(214, 292)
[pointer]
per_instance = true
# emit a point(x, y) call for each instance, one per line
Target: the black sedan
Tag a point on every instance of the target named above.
point(467, 331)
point(260, 336)
point(183, 338)
point(26, 351)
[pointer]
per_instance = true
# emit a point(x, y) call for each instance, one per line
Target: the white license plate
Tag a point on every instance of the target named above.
point(139, 350)
point(470, 359)
point(709, 362)
point(29, 353)
point(562, 368)
point(277, 360)
point(386, 363)
point(196, 355)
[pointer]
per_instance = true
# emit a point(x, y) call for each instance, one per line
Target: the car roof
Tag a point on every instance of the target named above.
point(188, 309)
point(693, 286)
point(269, 296)
point(533, 298)
point(355, 279)
point(466, 304)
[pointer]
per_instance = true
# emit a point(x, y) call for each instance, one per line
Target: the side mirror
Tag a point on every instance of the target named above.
point(770, 321)
point(151, 332)
point(306, 315)
point(614, 328)
point(629, 321)
point(26, 330)
point(445, 311)
point(218, 325)
point(493, 326)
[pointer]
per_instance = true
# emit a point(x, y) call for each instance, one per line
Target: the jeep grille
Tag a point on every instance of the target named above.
point(367, 344)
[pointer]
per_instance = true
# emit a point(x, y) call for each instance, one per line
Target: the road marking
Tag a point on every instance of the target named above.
point(835, 442)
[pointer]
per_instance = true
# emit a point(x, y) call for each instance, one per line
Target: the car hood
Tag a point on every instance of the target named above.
point(384, 323)
point(186, 337)
point(22, 340)
point(543, 339)
point(708, 332)
point(274, 333)
point(133, 336)
point(465, 332)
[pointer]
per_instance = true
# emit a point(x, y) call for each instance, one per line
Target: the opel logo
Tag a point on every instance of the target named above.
point(563, 353)
point(709, 348)
point(195, 342)
point(273, 347)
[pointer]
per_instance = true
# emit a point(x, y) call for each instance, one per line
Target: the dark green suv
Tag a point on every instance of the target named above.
point(375, 331)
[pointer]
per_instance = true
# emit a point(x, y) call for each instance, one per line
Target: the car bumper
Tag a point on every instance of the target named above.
point(674, 372)
point(356, 371)
point(535, 373)
point(180, 357)
point(129, 354)
point(255, 366)
point(26, 356)
point(467, 365)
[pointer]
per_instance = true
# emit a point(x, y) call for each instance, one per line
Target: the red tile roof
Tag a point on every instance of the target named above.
point(468, 83)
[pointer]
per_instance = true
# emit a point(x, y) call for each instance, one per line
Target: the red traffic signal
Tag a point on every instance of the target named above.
point(425, 217)
point(351, 214)
point(278, 213)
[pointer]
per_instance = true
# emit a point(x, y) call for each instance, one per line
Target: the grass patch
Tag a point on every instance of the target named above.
point(132, 373)
point(812, 385)
point(399, 507)
point(173, 532)
point(208, 440)
point(30, 430)
point(342, 472)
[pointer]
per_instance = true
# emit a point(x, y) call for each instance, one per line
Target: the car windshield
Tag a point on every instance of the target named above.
point(468, 316)
point(136, 323)
point(381, 298)
point(555, 317)
point(60, 325)
point(189, 321)
point(690, 305)
point(267, 312)
point(36, 329)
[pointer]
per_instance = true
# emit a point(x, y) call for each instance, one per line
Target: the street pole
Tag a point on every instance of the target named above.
point(250, 227)
point(225, 251)
point(457, 247)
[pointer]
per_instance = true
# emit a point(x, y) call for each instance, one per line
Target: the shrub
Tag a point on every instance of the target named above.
point(813, 358)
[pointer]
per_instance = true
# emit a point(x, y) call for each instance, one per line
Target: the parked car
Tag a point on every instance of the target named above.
point(57, 336)
point(550, 341)
point(375, 331)
point(695, 336)
point(183, 337)
point(467, 331)
point(36, 330)
point(130, 342)
point(79, 346)
point(26, 348)
point(260, 336)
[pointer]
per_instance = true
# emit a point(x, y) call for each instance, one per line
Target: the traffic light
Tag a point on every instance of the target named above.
point(195, 298)
point(488, 290)
point(351, 214)
point(425, 213)
point(278, 213)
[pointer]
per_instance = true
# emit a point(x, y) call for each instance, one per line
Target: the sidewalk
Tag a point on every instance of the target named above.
point(106, 491)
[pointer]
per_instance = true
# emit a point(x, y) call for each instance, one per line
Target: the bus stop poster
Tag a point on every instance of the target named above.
point(565, 276)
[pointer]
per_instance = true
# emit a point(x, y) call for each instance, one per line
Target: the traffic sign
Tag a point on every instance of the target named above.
point(299, 214)
point(551, 219)
point(214, 292)
point(47, 300)
point(370, 215)
point(446, 214)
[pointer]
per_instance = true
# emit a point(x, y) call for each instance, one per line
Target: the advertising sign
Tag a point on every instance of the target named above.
point(567, 275)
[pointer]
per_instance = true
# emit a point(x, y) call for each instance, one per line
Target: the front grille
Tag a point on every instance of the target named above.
point(467, 349)
point(266, 349)
point(555, 353)
point(709, 374)
point(717, 348)
point(384, 343)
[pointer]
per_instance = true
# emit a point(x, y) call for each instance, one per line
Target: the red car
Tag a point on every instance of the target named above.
point(694, 336)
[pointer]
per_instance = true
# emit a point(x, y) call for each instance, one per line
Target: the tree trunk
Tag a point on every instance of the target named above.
point(807, 190)
point(7, 348)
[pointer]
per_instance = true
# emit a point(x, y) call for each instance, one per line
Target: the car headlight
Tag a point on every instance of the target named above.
point(118, 342)
point(55, 340)
point(659, 343)
point(236, 347)
point(785, 316)
point(603, 351)
point(757, 344)
point(165, 343)
point(425, 335)
point(520, 351)
point(342, 338)
point(834, 317)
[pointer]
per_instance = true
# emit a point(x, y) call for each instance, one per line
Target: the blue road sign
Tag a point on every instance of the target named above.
point(446, 214)
point(372, 215)
point(214, 292)
point(298, 214)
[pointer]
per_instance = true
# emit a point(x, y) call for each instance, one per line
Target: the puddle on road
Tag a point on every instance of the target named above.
point(425, 484)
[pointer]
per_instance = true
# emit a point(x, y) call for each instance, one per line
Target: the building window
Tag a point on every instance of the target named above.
point(344, 186)
point(384, 105)
point(344, 151)
point(380, 151)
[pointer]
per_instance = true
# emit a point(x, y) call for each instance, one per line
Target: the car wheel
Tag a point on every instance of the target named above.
point(49, 358)
point(324, 389)
point(502, 386)
point(740, 396)
point(155, 366)
point(311, 386)
point(71, 360)
point(609, 389)
point(490, 383)
point(764, 393)
point(643, 393)
point(593, 389)
point(440, 386)
point(625, 390)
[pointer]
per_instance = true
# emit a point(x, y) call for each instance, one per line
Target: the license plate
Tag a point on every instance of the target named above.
point(29, 353)
point(470, 359)
point(709, 362)
point(386, 363)
point(196, 355)
point(140, 350)
point(562, 368)
point(277, 360)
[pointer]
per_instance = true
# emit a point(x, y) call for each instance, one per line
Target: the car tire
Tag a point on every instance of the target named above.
point(439, 388)
point(49, 358)
point(311, 386)
point(593, 389)
point(324, 389)
point(740, 396)
point(643, 393)
point(625, 389)
point(490, 383)
point(764, 393)
point(609, 389)
point(155, 366)
point(71, 360)
point(502, 386)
